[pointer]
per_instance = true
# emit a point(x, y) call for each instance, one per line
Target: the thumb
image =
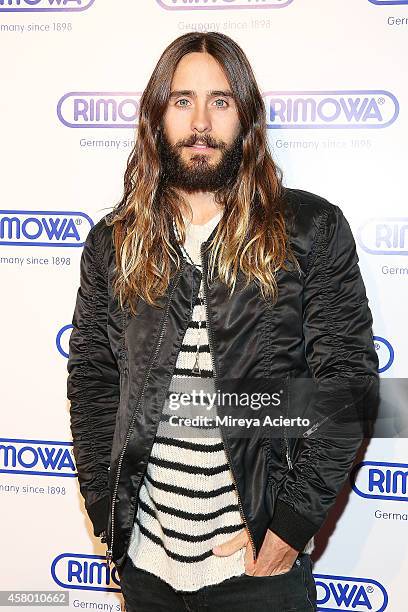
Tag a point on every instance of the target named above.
point(232, 545)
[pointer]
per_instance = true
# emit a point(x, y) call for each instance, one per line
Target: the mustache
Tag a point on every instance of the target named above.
point(204, 140)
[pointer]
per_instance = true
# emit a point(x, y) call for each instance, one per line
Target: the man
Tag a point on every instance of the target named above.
point(210, 268)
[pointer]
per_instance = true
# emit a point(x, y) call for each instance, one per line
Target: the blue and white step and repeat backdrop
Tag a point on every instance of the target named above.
point(333, 75)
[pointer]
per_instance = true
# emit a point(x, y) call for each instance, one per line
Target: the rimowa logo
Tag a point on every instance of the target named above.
point(87, 109)
point(380, 480)
point(385, 2)
point(331, 109)
point(44, 5)
point(39, 457)
point(384, 236)
point(174, 5)
point(62, 339)
point(343, 593)
point(85, 572)
point(295, 110)
point(44, 228)
point(385, 352)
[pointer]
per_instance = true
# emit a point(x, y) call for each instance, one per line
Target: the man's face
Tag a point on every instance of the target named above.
point(200, 142)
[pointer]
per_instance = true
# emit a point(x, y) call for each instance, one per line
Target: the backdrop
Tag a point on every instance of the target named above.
point(333, 76)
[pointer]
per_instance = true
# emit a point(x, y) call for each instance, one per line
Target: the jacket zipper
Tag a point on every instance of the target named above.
point(210, 344)
point(313, 428)
point(109, 551)
point(288, 459)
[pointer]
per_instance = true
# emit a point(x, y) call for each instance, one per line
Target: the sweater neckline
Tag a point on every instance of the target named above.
point(201, 229)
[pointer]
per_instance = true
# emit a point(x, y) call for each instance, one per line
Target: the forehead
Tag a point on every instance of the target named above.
point(200, 72)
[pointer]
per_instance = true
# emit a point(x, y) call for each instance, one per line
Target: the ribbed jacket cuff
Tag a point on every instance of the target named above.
point(291, 527)
point(98, 513)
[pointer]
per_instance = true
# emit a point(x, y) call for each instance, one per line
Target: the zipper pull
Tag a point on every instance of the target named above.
point(288, 459)
point(311, 430)
point(314, 427)
point(108, 557)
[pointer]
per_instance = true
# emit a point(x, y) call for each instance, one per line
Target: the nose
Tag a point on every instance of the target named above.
point(200, 118)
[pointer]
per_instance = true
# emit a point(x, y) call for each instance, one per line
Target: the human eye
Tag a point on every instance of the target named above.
point(181, 100)
point(222, 100)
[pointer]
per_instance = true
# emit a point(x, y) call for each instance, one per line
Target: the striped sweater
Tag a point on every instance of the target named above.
point(188, 502)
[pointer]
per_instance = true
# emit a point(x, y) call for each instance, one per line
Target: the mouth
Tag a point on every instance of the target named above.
point(199, 147)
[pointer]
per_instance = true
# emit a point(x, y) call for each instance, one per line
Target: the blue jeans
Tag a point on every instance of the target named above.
point(292, 591)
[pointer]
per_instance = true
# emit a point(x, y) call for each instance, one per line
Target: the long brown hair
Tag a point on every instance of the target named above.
point(251, 234)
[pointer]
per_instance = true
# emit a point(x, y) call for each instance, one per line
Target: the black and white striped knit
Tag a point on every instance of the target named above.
point(188, 501)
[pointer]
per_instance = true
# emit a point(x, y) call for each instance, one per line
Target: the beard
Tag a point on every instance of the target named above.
point(199, 173)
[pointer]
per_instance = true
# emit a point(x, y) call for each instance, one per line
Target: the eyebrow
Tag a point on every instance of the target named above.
point(227, 93)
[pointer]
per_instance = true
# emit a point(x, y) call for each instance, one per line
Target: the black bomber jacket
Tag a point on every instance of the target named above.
point(120, 368)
